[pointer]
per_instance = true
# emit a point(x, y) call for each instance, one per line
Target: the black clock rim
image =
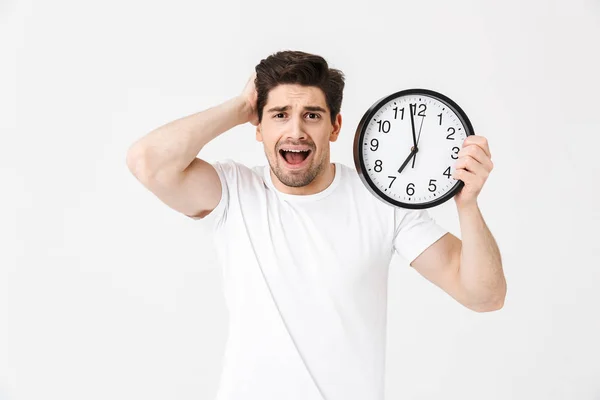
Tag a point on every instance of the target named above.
point(359, 137)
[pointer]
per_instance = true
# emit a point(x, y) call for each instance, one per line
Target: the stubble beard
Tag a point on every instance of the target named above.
point(297, 178)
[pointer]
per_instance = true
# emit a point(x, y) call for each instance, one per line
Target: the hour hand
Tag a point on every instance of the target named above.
point(413, 151)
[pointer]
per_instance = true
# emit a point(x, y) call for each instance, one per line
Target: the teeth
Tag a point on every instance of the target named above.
point(297, 151)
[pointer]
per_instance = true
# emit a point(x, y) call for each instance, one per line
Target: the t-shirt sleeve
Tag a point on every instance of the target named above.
point(415, 231)
point(226, 170)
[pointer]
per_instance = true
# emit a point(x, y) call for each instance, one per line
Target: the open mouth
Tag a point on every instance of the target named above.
point(295, 158)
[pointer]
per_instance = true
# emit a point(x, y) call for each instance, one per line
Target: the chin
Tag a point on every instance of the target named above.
point(296, 175)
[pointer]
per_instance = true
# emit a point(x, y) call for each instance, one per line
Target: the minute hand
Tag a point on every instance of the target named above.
point(419, 138)
point(412, 124)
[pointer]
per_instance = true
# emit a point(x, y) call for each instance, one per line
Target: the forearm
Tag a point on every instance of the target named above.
point(480, 270)
point(171, 148)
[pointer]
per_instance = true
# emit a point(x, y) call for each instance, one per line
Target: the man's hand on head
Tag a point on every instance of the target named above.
point(249, 97)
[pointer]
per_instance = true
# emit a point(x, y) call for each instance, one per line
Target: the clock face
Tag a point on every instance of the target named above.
point(384, 144)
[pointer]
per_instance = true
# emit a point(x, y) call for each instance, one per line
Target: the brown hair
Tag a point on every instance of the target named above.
point(301, 68)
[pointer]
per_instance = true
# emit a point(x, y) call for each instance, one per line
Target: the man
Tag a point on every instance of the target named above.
point(304, 246)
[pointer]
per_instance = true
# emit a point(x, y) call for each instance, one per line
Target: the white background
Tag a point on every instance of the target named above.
point(106, 293)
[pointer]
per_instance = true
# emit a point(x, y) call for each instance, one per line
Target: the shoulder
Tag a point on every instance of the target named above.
point(236, 169)
point(237, 176)
point(349, 177)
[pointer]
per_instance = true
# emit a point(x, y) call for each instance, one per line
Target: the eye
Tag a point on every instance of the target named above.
point(275, 116)
point(316, 115)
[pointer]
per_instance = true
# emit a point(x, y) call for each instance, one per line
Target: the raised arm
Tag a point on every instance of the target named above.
point(470, 270)
point(165, 160)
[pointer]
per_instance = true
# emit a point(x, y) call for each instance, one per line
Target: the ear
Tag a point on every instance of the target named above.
point(259, 137)
point(337, 126)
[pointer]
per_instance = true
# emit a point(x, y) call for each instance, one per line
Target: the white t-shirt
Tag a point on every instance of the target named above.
point(305, 283)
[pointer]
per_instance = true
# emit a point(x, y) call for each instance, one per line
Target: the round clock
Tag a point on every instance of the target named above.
point(406, 145)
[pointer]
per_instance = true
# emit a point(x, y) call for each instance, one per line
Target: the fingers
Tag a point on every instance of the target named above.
point(470, 164)
point(479, 141)
point(474, 156)
point(473, 167)
point(464, 175)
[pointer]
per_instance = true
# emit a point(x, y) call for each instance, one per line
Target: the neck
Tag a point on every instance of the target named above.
point(320, 183)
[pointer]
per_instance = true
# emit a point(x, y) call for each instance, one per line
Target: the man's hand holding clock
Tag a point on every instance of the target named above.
point(473, 167)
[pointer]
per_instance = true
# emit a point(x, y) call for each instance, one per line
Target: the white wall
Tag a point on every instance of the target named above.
point(105, 292)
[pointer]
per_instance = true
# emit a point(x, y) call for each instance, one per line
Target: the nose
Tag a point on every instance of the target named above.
point(296, 130)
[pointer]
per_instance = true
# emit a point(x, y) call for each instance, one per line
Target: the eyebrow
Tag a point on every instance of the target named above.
point(307, 108)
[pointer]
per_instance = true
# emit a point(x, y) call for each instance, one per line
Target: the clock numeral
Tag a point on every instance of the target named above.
point(423, 108)
point(451, 133)
point(383, 127)
point(378, 164)
point(457, 150)
point(374, 143)
point(447, 172)
point(393, 179)
point(432, 184)
point(396, 112)
point(410, 189)
point(440, 115)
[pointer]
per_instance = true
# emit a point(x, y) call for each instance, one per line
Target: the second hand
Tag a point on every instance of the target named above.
point(418, 138)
